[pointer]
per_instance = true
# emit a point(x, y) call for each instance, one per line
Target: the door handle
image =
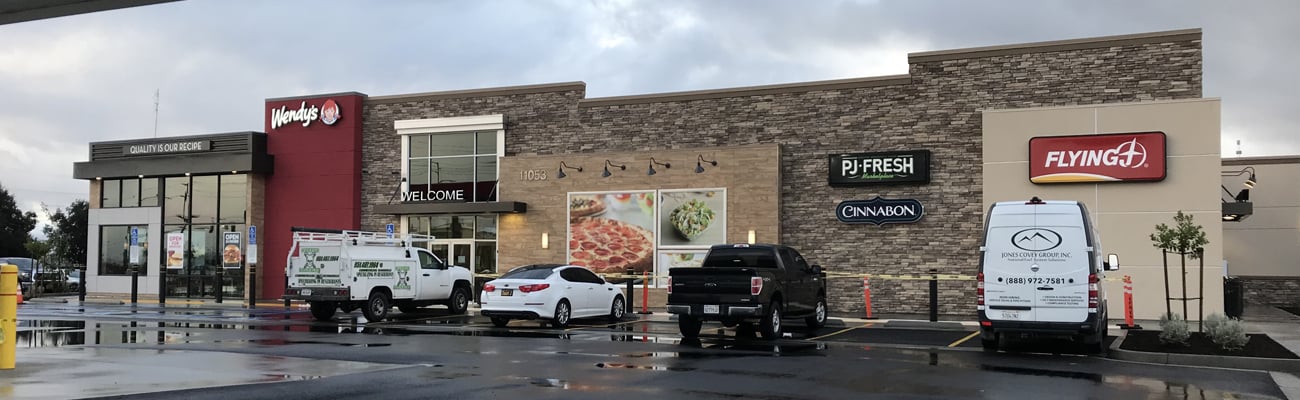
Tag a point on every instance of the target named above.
point(426, 274)
point(610, 289)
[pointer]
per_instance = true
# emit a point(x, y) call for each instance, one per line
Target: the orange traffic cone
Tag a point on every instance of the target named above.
point(20, 297)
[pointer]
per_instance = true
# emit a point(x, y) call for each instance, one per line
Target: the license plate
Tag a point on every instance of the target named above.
point(306, 292)
point(507, 292)
point(1010, 315)
point(713, 309)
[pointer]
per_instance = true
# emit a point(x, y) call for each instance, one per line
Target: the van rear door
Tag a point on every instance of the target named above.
point(1036, 263)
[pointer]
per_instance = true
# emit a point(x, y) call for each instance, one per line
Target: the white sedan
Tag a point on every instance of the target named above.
point(554, 292)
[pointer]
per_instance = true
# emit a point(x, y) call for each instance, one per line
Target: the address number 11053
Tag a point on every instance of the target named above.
point(532, 175)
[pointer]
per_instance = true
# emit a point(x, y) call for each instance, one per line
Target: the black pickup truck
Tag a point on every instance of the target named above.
point(740, 284)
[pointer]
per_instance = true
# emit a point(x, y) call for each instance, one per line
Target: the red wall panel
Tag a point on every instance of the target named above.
point(317, 178)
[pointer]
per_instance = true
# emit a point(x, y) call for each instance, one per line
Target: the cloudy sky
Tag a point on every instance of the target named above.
point(72, 80)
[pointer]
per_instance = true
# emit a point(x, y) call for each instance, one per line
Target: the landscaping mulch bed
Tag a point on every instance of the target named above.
point(1292, 310)
point(1260, 345)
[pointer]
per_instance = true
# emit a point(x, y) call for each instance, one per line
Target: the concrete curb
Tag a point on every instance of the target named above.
point(1198, 360)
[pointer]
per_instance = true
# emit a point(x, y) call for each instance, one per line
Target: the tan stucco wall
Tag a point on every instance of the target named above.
point(1125, 214)
point(1268, 242)
point(750, 174)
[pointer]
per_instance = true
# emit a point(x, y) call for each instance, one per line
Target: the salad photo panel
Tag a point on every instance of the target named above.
point(692, 218)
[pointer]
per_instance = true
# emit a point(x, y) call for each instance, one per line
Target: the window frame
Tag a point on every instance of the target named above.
point(126, 262)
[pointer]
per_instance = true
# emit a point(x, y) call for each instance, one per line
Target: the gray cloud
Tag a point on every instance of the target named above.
point(73, 80)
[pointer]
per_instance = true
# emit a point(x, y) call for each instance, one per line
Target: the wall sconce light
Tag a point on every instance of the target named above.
point(546, 240)
point(652, 171)
point(751, 236)
point(561, 175)
point(1250, 180)
point(699, 166)
point(608, 164)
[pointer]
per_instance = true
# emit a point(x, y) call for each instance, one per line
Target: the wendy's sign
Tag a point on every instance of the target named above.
point(1121, 157)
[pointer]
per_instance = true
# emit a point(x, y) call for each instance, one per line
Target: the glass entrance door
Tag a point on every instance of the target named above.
point(455, 252)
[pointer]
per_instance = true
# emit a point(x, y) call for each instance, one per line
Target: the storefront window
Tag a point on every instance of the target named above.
point(176, 204)
point(130, 193)
point(233, 198)
point(202, 207)
point(149, 192)
point(115, 249)
point(203, 203)
point(111, 194)
point(451, 144)
point(486, 228)
point(485, 257)
point(441, 161)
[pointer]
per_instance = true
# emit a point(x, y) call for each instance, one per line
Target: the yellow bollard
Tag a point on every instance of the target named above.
point(8, 315)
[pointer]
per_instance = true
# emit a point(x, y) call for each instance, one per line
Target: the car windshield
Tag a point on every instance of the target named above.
point(531, 272)
point(24, 264)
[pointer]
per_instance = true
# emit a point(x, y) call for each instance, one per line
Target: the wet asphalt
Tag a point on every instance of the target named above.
point(71, 351)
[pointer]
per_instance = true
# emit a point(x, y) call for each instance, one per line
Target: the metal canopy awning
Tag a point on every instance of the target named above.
point(495, 207)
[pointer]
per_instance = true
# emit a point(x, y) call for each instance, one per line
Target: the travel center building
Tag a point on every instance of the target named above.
point(541, 173)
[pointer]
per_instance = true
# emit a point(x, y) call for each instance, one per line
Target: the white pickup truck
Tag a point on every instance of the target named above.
point(336, 269)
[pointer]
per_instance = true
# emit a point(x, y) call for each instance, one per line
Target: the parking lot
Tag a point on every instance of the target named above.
point(67, 350)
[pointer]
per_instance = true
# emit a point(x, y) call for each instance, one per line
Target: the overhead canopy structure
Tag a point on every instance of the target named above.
point(14, 11)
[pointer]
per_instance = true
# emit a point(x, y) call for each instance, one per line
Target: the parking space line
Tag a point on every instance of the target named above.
point(842, 331)
point(963, 340)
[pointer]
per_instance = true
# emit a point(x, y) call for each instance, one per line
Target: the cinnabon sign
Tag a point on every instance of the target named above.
point(1097, 158)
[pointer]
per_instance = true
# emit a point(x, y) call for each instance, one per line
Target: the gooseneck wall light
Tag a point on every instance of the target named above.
point(699, 164)
point(608, 164)
point(653, 163)
point(563, 166)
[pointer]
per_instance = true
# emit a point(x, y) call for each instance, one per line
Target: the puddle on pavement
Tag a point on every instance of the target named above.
point(646, 367)
point(551, 383)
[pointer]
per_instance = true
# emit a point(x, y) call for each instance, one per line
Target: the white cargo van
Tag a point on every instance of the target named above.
point(1040, 274)
point(336, 269)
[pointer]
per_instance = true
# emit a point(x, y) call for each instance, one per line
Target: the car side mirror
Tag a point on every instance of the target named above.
point(408, 254)
point(816, 269)
point(1112, 262)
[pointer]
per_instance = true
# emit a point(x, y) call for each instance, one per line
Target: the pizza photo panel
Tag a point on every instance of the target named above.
point(611, 233)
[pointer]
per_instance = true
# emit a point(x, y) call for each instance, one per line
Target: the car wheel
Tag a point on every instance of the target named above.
point(818, 319)
point(689, 326)
point(377, 307)
point(323, 310)
point(459, 302)
point(500, 322)
point(562, 314)
point(1096, 342)
point(989, 345)
point(770, 326)
point(617, 309)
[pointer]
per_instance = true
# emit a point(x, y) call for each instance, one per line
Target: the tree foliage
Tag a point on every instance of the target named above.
point(15, 226)
point(1185, 237)
point(67, 233)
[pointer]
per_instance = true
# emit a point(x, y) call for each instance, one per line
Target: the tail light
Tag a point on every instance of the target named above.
point(755, 285)
point(670, 285)
point(979, 288)
point(534, 287)
point(489, 288)
point(1093, 282)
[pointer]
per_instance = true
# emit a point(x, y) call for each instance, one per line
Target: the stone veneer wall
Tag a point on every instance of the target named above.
point(1273, 291)
point(936, 107)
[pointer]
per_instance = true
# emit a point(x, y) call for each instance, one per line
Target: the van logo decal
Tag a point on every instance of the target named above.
point(310, 256)
point(1036, 239)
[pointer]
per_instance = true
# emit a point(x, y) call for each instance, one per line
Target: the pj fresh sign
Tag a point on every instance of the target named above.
point(1097, 158)
point(858, 169)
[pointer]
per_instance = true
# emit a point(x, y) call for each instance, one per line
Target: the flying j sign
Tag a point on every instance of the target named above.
point(1097, 158)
